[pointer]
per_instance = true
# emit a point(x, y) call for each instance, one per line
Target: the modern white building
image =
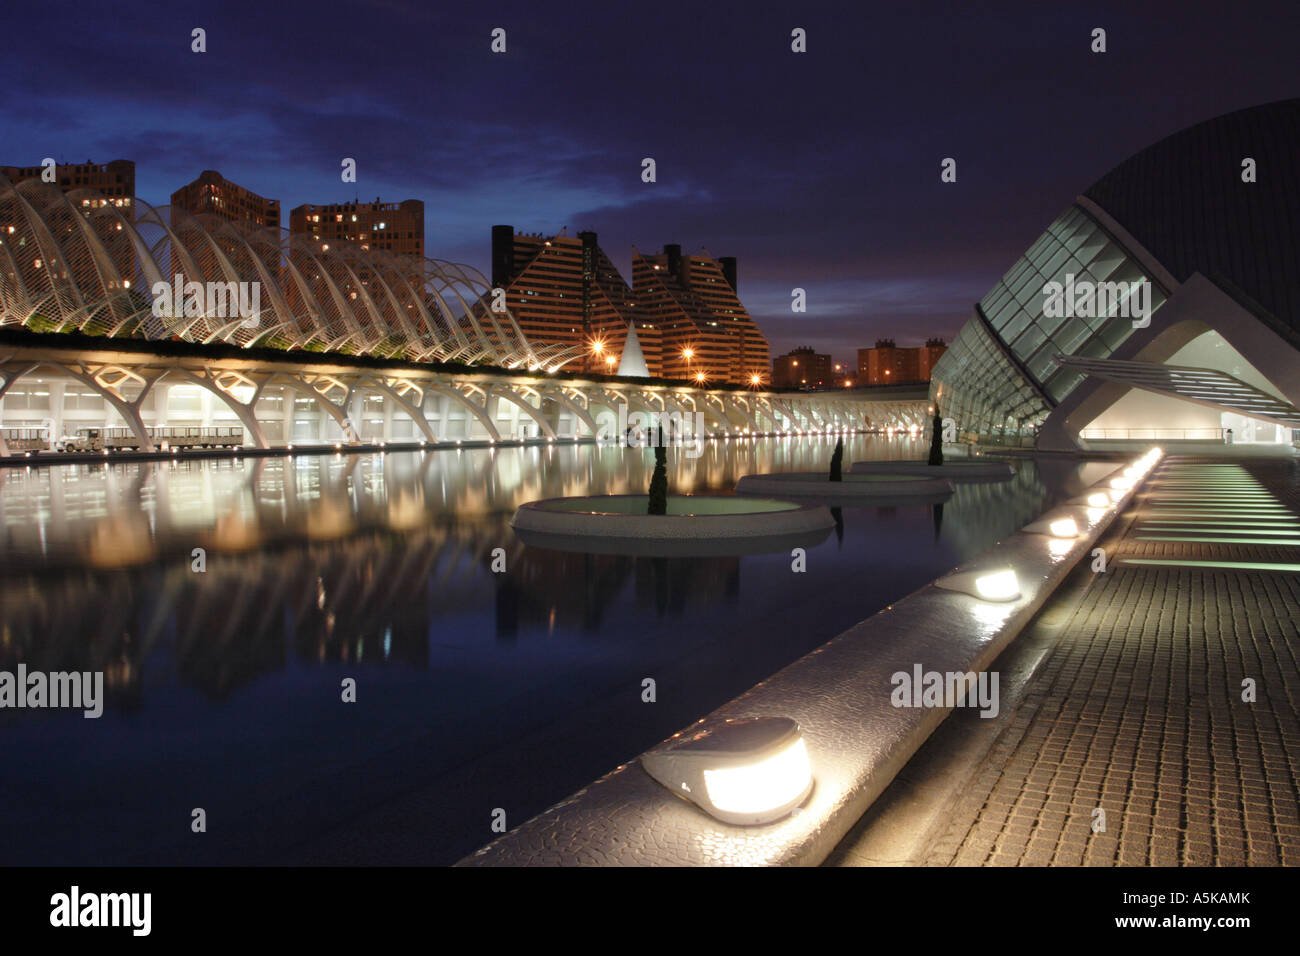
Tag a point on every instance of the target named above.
point(1163, 304)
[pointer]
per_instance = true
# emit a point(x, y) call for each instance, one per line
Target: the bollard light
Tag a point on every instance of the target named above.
point(1057, 528)
point(997, 585)
point(747, 771)
point(1064, 528)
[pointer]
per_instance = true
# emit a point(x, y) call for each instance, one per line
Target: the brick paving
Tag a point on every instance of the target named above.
point(1138, 711)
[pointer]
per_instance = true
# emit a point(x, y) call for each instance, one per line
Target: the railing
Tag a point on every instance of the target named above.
point(1004, 441)
point(1155, 434)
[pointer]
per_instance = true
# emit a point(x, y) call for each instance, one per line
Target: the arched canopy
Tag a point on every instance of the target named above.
point(81, 261)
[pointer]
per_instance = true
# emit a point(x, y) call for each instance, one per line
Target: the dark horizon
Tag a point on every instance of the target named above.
point(817, 170)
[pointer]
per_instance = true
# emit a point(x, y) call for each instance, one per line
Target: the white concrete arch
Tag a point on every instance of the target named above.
point(560, 398)
point(478, 412)
point(414, 412)
point(242, 411)
point(306, 388)
point(501, 392)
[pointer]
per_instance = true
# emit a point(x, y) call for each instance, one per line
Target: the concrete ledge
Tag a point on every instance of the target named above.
point(840, 695)
point(953, 470)
point(818, 485)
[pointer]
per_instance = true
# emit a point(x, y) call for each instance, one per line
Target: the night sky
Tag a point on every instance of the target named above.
point(817, 170)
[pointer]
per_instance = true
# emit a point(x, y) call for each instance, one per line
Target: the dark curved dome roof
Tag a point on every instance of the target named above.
point(1184, 200)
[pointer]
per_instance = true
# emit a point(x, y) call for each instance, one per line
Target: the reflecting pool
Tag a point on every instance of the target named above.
point(230, 603)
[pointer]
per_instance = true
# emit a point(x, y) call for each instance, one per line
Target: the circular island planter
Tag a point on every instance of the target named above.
point(695, 525)
point(805, 485)
point(952, 470)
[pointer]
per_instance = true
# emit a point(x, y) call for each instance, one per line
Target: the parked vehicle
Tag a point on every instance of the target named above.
point(170, 436)
point(27, 439)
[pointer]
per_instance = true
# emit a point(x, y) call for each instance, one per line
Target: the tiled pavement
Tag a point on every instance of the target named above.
point(1137, 710)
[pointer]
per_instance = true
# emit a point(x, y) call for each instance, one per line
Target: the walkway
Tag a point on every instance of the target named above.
point(1135, 704)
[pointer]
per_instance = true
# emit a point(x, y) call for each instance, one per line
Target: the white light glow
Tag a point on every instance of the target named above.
point(1064, 528)
point(998, 586)
point(762, 786)
point(1099, 500)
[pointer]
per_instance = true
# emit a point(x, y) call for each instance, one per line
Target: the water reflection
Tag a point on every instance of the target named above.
point(117, 515)
point(483, 689)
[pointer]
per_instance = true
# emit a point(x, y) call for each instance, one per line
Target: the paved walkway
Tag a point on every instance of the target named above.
point(1135, 704)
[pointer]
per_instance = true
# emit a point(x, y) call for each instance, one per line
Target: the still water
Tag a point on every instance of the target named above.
point(475, 691)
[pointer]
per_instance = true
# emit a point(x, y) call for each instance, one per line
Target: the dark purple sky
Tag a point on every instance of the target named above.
point(817, 170)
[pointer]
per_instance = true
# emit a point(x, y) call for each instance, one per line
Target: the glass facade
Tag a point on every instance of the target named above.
point(975, 375)
point(979, 388)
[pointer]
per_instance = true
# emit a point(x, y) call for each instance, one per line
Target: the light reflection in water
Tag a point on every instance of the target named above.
point(378, 567)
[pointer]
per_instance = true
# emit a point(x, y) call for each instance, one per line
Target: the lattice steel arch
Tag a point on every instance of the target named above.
point(86, 262)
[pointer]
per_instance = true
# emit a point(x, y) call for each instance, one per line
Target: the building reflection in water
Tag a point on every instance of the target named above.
point(381, 567)
point(350, 559)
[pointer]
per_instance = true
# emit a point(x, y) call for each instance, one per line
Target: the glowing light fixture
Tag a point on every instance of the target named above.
point(997, 585)
point(1064, 528)
point(748, 771)
point(1057, 527)
point(1098, 500)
